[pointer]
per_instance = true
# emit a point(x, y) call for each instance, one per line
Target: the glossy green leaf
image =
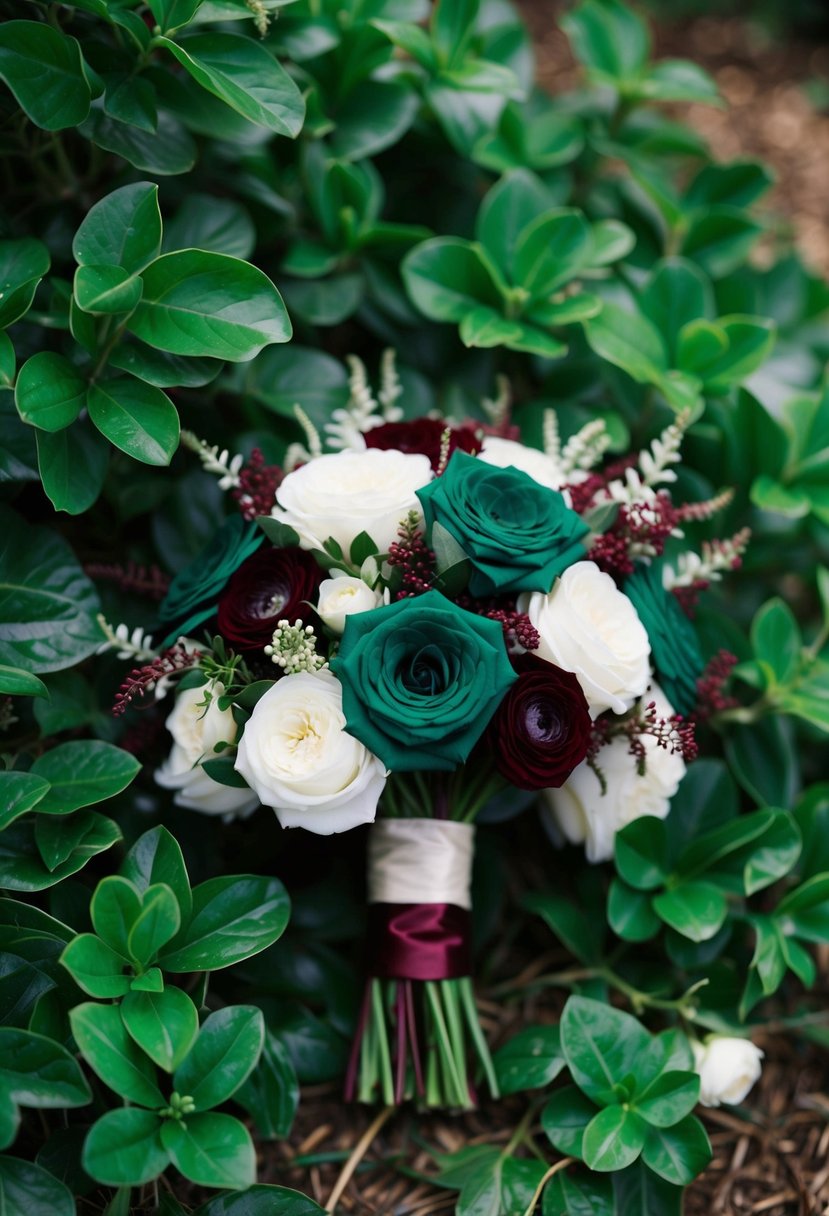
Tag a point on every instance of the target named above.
point(446, 278)
point(485, 327)
point(111, 1053)
point(27, 1188)
point(170, 149)
point(640, 1192)
point(95, 967)
point(104, 290)
point(73, 464)
point(261, 1200)
point(217, 224)
point(209, 304)
point(114, 909)
point(224, 1054)
point(613, 1139)
point(640, 852)
point(233, 918)
point(581, 932)
point(565, 1118)
point(776, 639)
point(50, 392)
point(609, 39)
point(82, 773)
point(173, 14)
point(600, 1045)
point(23, 263)
point(158, 921)
point(38, 1072)
point(47, 604)
point(163, 1024)
point(630, 341)
point(14, 682)
point(552, 250)
point(212, 1150)
point(508, 210)
point(763, 759)
point(122, 229)
point(578, 1194)
point(676, 294)
point(678, 1154)
point(124, 1148)
point(136, 417)
point(8, 361)
point(719, 239)
point(529, 1060)
point(44, 69)
point(19, 793)
point(679, 80)
point(629, 913)
point(22, 867)
point(697, 910)
point(243, 74)
point(669, 1098)
point(154, 858)
point(271, 1092)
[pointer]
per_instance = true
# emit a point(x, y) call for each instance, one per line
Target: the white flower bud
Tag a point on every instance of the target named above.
point(727, 1067)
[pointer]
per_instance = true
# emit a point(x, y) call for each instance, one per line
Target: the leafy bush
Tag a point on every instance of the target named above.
point(369, 176)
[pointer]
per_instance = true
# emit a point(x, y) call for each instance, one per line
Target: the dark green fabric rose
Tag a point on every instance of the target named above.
point(517, 534)
point(675, 651)
point(421, 678)
point(194, 593)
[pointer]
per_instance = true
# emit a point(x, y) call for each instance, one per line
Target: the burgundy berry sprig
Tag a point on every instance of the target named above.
point(141, 680)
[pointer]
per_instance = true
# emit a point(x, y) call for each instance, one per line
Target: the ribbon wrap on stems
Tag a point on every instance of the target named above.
point(418, 1016)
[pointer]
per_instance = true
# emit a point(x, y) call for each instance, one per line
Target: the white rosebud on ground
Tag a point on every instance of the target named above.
point(727, 1067)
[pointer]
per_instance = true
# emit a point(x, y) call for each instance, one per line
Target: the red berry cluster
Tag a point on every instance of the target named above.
point(675, 734)
point(711, 695)
point(416, 561)
point(519, 630)
point(143, 580)
point(640, 527)
point(141, 679)
point(258, 483)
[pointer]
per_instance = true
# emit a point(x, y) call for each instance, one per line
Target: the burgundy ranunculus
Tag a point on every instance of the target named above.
point(270, 586)
point(422, 437)
point(541, 730)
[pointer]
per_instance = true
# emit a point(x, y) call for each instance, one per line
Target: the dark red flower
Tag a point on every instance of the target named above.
point(268, 587)
point(422, 437)
point(541, 730)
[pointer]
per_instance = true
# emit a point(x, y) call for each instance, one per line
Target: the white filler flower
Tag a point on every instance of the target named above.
point(727, 1068)
point(196, 730)
point(344, 493)
point(585, 815)
point(341, 596)
point(297, 756)
point(589, 627)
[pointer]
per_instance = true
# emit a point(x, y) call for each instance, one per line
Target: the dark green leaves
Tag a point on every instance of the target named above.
point(232, 918)
point(244, 75)
point(113, 1055)
point(136, 417)
point(81, 773)
point(23, 264)
point(199, 303)
point(50, 392)
point(163, 1024)
point(123, 229)
point(228, 1047)
point(47, 603)
point(124, 1148)
point(45, 70)
point(530, 1060)
point(37, 1072)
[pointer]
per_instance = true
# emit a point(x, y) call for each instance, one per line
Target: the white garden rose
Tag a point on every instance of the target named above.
point(589, 627)
point(506, 453)
point(297, 756)
point(196, 731)
point(341, 596)
point(727, 1067)
point(583, 814)
point(345, 493)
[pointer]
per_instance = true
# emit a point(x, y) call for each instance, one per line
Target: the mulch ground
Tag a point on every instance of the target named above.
point(771, 1156)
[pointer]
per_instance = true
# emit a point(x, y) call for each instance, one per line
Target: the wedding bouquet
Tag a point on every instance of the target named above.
point(410, 618)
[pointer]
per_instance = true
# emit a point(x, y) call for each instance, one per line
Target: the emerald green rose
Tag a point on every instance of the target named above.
point(675, 651)
point(193, 595)
point(421, 679)
point(518, 534)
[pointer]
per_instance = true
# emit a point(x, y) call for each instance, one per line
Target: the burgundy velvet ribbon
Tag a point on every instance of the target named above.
point(419, 941)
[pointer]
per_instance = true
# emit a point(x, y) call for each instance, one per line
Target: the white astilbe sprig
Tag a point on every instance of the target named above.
point(127, 643)
point(214, 460)
point(390, 387)
point(551, 436)
point(584, 450)
point(301, 453)
point(260, 14)
point(653, 467)
point(497, 408)
point(715, 558)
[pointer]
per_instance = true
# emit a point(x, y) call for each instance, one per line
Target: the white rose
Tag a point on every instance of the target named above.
point(196, 730)
point(343, 595)
point(297, 756)
point(585, 815)
point(345, 493)
point(727, 1069)
point(589, 627)
point(506, 453)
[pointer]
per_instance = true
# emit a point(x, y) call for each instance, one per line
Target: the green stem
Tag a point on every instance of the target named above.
point(470, 1009)
point(454, 1091)
point(379, 1016)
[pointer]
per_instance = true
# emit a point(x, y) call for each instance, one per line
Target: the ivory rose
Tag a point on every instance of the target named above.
point(586, 815)
point(296, 755)
point(196, 731)
point(342, 595)
point(345, 493)
point(727, 1067)
point(589, 627)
